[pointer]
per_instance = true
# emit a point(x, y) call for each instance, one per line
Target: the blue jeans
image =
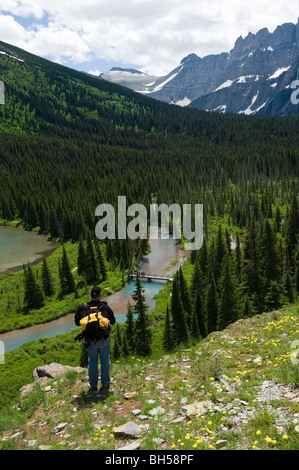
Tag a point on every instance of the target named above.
point(99, 348)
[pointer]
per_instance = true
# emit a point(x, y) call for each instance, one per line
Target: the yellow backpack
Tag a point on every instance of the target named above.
point(94, 325)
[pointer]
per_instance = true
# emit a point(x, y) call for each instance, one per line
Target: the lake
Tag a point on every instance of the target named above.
point(18, 247)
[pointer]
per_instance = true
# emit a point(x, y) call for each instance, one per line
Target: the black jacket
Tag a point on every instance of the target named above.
point(105, 309)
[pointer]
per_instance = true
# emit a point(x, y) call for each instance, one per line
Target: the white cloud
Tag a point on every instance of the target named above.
point(154, 34)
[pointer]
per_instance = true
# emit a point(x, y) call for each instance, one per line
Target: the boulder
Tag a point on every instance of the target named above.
point(127, 431)
point(53, 370)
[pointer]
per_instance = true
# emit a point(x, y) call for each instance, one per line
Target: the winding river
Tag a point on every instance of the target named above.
point(163, 251)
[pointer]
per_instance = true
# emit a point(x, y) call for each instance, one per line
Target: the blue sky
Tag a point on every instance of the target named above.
point(150, 35)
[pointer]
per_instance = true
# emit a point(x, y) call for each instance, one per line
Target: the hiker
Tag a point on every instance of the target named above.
point(98, 341)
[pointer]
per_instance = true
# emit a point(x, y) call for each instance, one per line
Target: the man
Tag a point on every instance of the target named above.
point(98, 347)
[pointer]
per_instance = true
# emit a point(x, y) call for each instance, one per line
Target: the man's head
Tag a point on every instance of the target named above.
point(95, 293)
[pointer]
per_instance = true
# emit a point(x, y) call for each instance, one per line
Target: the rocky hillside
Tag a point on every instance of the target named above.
point(237, 389)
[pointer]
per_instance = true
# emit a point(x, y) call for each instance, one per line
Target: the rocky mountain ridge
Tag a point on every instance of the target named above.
point(255, 77)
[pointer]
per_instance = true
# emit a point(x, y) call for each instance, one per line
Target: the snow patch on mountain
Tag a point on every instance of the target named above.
point(11, 56)
point(226, 84)
point(278, 73)
point(183, 102)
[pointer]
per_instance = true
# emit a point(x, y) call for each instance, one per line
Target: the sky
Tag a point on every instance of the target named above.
point(152, 36)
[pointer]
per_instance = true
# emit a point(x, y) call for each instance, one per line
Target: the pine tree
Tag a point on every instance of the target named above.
point(66, 277)
point(293, 226)
point(227, 302)
point(117, 343)
point(270, 259)
point(100, 256)
point(200, 313)
point(125, 346)
point(194, 328)
point(33, 297)
point(47, 282)
point(81, 262)
point(220, 251)
point(169, 334)
point(92, 273)
point(238, 259)
point(142, 331)
point(185, 296)
point(212, 305)
point(178, 314)
point(130, 328)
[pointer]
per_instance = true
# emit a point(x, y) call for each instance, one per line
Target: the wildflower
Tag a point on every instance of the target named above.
point(258, 433)
point(285, 437)
point(210, 446)
point(212, 379)
point(173, 446)
point(268, 440)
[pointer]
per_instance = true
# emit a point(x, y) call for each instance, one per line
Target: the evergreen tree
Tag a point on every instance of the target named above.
point(66, 277)
point(238, 259)
point(273, 299)
point(125, 346)
point(100, 256)
point(47, 283)
point(142, 331)
point(293, 225)
point(212, 305)
point(81, 262)
point(220, 251)
point(130, 328)
point(169, 333)
point(194, 328)
point(33, 297)
point(296, 268)
point(270, 259)
point(185, 297)
point(178, 314)
point(117, 343)
point(92, 273)
point(227, 302)
point(200, 313)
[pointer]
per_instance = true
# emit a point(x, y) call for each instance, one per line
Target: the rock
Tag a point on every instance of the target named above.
point(59, 428)
point(178, 420)
point(127, 431)
point(135, 412)
point(129, 395)
point(53, 370)
point(198, 408)
point(151, 377)
point(221, 443)
point(133, 446)
point(32, 443)
point(26, 389)
point(158, 441)
point(142, 417)
point(257, 360)
point(157, 411)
